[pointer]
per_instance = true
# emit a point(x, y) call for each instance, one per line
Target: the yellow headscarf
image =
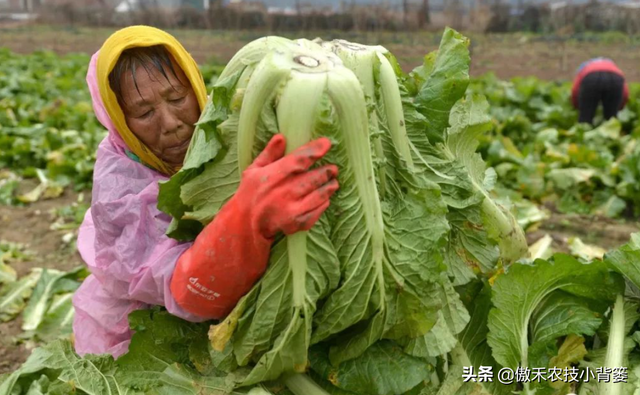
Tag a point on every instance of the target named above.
point(143, 36)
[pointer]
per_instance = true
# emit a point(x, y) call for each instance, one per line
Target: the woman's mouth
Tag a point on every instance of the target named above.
point(179, 148)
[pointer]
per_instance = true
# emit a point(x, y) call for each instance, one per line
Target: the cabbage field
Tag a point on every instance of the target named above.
point(482, 241)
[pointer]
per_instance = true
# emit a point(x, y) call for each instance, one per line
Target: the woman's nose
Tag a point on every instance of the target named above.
point(170, 121)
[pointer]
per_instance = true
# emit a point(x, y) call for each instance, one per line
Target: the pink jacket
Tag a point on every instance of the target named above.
point(122, 240)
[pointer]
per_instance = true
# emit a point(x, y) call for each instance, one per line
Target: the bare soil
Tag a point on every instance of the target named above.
point(30, 226)
point(600, 231)
point(507, 55)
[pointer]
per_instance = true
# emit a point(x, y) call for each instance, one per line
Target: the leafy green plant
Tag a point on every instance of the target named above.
point(43, 300)
point(47, 119)
point(540, 152)
point(361, 286)
point(413, 273)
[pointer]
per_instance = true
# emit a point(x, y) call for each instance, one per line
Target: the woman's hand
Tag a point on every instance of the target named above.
point(279, 193)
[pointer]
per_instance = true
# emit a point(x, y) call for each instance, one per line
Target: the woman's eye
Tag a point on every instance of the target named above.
point(145, 115)
point(178, 100)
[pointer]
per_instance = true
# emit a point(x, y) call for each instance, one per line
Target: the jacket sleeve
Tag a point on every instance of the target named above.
point(123, 239)
point(100, 322)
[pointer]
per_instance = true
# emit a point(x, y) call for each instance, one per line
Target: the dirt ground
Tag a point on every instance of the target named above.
point(507, 56)
point(599, 231)
point(30, 226)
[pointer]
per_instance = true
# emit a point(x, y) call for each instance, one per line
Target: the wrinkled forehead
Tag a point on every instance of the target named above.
point(144, 68)
point(144, 85)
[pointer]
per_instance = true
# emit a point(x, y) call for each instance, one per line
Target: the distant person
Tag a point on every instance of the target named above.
point(599, 80)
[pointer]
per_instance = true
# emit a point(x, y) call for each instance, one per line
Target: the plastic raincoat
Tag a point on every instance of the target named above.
point(122, 239)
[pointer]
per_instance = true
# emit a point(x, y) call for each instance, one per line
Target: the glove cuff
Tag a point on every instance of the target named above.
point(222, 265)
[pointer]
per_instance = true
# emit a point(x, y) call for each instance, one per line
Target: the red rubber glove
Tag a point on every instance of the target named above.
point(277, 193)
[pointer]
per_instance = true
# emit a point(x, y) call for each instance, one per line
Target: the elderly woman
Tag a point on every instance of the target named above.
point(148, 92)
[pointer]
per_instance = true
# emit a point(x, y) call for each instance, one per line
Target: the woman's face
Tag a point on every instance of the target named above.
point(161, 113)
